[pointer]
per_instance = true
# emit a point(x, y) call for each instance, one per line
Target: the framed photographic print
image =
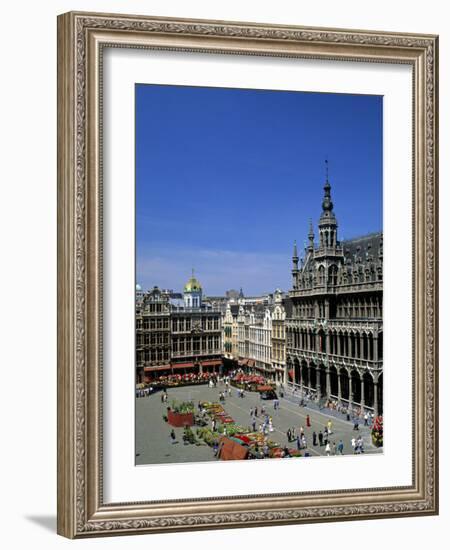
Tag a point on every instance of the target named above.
point(247, 285)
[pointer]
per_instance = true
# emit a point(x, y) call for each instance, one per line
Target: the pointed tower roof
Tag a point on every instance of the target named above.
point(295, 253)
point(327, 216)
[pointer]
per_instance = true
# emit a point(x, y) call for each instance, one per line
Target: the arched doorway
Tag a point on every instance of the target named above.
point(355, 381)
point(289, 370)
point(304, 372)
point(380, 393)
point(297, 373)
point(323, 381)
point(312, 376)
point(368, 389)
point(334, 382)
point(345, 386)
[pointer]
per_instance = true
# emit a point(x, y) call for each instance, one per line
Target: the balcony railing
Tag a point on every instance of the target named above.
point(191, 353)
point(333, 359)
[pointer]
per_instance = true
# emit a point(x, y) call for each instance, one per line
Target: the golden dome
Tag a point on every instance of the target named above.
point(193, 285)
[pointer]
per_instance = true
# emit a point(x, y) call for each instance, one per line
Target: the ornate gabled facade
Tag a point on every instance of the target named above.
point(152, 333)
point(230, 329)
point(261, 340)
point(334, 329)
point(278, 348)
point(177, 339)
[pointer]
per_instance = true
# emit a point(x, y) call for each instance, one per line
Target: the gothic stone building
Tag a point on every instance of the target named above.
point(334, 327)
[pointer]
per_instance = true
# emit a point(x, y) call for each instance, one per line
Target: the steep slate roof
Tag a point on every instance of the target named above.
point(362, 246)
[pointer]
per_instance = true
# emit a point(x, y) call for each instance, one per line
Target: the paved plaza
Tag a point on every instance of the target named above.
point(153, 444)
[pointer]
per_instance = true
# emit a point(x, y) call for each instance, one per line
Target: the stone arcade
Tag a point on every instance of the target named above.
point(334, 328)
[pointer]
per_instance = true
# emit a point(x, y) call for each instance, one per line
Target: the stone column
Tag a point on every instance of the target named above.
point(363, 402)
point(375, 347)
point(328, 384)
point(375, 398)
point(339, 386)
point(361, 346)
point(318, 381)
point(338, 338)
point(350, 389)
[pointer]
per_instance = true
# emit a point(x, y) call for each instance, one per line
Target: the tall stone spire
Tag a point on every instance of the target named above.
point(327, 222)
point(311, 236)
point(327, 204)
point(295, 258)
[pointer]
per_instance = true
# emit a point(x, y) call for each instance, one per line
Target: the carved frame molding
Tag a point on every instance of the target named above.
point(81, 39)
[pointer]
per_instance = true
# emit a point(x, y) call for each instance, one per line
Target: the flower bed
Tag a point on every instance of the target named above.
point(175, 380)
point(240, 434)
point(377, 432)
point(251, 382)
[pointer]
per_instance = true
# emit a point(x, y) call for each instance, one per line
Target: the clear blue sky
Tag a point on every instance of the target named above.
point(226, 179)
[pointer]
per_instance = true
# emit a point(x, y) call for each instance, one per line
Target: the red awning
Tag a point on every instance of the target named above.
point(264, 388)
point(212, 363)
point(183, 365)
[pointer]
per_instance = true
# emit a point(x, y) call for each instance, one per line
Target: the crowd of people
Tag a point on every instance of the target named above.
point(305, 437)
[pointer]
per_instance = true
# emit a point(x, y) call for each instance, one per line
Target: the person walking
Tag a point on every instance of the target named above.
point(366, 419)
point(354, 445)
point(254, 424)
point(308, 421)
point(341, 447)
point(173, 437)
point(329, 426)
point(359, 445)
point(303, 439)
point(327, 449)
point(314, 436)
point(289, 435)
point(320, 439)
point(299, 443)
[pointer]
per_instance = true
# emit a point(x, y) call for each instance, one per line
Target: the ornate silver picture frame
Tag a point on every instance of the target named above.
point(82, 40)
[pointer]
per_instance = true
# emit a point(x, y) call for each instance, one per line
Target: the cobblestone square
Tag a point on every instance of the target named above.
point(154, 446)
